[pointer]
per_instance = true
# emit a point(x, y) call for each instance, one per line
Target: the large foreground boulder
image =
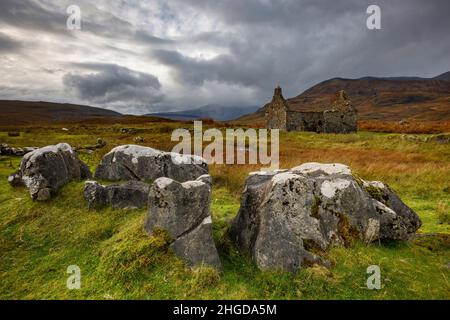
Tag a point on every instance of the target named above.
point(45, 170)
point(182, 209)
point(131, 162)
point(287, 216)
point(128, 195)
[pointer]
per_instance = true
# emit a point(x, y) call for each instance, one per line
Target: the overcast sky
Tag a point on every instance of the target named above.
point(139, 56)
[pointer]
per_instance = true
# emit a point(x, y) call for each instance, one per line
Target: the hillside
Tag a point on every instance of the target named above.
point(412, 98)
point(29, 112)
point(212, 111)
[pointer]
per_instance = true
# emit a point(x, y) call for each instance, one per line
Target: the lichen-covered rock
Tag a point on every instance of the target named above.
point(182, 209)
point(397, 220)
point(131, 162)
point(45, 170)
point(287, 216)
point(130, 195)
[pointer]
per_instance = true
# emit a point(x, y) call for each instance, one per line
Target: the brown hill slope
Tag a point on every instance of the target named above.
point(29, 113)
point(416, 99)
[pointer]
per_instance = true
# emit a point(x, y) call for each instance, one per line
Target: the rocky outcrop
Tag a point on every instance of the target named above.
point(182, 209)
point(45, 170)
point(128, 195)
point(6, 150)
point(286, 217)
point(131, 162)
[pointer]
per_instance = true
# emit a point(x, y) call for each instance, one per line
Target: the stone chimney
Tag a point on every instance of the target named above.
point(342, 102)
point(278, 93)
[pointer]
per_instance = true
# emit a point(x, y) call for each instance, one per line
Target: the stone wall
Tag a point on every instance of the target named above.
point(305, 121)
point(339, 122)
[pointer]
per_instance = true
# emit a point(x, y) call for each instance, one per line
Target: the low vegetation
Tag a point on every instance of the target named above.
point(38, 241)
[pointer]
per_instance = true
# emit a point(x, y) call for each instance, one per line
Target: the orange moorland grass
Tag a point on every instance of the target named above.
point(370, 164)
point(424, 127)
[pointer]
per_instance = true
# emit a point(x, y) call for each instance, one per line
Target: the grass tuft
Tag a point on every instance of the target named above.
point(131, 251)
point(443, 213)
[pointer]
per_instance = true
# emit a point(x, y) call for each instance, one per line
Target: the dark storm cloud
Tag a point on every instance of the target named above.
point(299, 43)
point(30, 15)
point(8, 44)
point(146, 37)
point(26, 14)
point(227, 51)
point(109, 83)
point(224, 68)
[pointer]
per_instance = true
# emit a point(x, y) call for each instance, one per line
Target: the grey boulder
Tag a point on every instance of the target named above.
point(128, 195)
point(45, 170)
point(286, 217)
point(132, 162)
point(182, 209)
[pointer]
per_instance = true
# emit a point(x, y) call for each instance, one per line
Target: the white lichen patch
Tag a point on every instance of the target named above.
point(327, 168)
point(178, 159)
point(64, 147)
point(137, 151)
point(377, 184)
point(207, 220)
point(282, 178)
point(163, 182)
point(373, 230)
point(28, 181)
point(192, 184)
point(329, 188)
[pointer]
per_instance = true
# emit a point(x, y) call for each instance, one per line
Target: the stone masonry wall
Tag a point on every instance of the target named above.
point(305, 121)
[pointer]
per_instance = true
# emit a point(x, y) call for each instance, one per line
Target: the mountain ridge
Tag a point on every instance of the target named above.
point(212, 111)
point(16, 112)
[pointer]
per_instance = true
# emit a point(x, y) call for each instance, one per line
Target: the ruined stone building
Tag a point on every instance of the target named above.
point(339, 117)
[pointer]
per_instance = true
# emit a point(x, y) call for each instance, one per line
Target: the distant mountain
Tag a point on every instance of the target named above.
point(29, 112)
point(212, 111)
point(375, 98)
point(444, 76)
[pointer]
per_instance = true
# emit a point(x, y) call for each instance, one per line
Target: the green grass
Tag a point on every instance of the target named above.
point(38, 241)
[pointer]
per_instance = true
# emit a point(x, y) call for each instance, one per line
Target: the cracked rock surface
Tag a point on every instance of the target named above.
point(131, 194)
point(45, 170)
point(132, 162)
point(287, 216)
point(182, 209)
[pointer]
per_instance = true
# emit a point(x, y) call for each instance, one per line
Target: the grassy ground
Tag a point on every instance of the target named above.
point(38, 241)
